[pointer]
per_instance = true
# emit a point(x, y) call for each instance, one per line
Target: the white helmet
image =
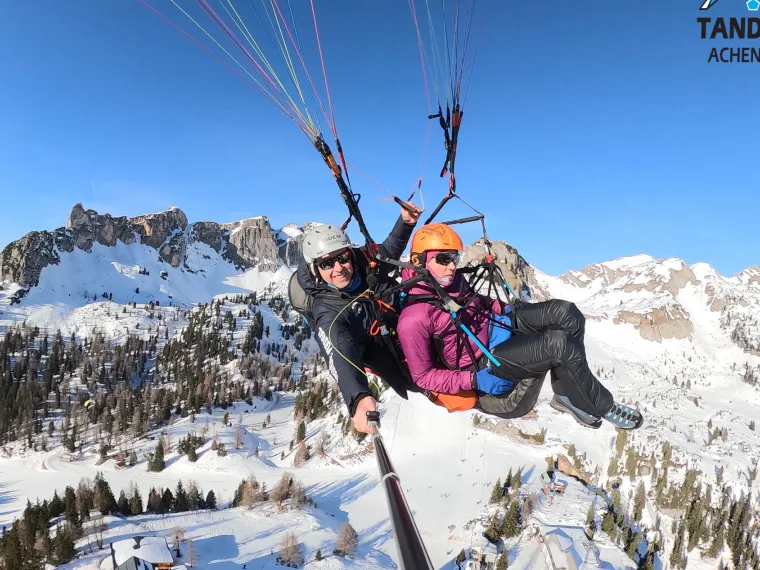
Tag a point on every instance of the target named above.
point(322, 240)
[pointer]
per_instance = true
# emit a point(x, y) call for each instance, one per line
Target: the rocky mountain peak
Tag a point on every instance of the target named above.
point(750, 276)
point(665, 298)
point(518, 273)
point(245, 243)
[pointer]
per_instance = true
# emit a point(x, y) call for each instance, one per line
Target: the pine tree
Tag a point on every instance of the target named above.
point(590, 521)
point(639, 501)
point(157, 462)
point(211, 500)
point(501, 561)
point(496, 493)
point(123, 505)
point(64, 545)
point(135, 502)
point(301, 433)
point(103, 497)
point(181, 503)
point(717, 542)
point(167, 501)
point(631, 463)
point(517, 479)
point(493, 531)
point(12, 548)
point(608, 525)
point(633, 544)
point(677, 559)
point(622, 438)
point(510, 527)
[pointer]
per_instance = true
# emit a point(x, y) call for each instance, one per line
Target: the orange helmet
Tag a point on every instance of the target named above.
point(434, 237)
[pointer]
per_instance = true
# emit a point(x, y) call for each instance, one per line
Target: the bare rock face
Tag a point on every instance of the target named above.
point(209, 233)
point(87, 226)
point(676, 280)
point(659, 324)
point(714, 300)
point(254, 242)
point(596, 272)
point(23, 268)
point(155, 229)
point(750, 276)
point(289, 246)
point(516, 270)
point(290, 251)
point(564, 466)
point(173, 251)
point(217, 238)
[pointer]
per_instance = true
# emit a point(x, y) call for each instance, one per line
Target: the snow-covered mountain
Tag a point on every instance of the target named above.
point(682, 342)
point(49, 275)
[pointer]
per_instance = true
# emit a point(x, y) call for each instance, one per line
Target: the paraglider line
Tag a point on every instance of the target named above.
point(324, 70)
point(259, 89)
point(303, 64)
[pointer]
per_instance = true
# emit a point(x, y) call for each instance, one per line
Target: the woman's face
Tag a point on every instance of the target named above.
point(443, 264)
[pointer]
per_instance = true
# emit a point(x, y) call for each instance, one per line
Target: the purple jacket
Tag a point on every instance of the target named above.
point(419, 322)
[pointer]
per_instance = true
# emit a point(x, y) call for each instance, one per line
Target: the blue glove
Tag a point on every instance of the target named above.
point(498, 333)
point(487, 382)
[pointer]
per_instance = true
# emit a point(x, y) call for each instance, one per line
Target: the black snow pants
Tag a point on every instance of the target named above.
point(546, 337)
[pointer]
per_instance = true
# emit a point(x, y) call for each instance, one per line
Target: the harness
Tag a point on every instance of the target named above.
point(384, 307)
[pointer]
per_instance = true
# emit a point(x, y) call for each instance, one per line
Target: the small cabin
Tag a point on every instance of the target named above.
point(483, 555)
point(142, 553)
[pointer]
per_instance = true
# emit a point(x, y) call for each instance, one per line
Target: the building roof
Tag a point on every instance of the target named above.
point(569, 547)
point(148, 548)
point(135, 564)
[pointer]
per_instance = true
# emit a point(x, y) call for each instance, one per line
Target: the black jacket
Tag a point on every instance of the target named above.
point(343, 332)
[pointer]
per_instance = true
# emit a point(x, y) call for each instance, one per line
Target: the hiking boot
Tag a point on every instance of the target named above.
point(624, 417)
point(562, 404)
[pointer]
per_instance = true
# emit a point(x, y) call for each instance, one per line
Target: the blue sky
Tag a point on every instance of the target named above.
point(591, 130)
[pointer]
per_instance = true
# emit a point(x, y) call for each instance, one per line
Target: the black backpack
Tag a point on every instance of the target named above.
point(300, 300)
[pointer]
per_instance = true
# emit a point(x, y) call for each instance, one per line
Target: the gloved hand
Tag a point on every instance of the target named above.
point(499, 334)
point(487, 382)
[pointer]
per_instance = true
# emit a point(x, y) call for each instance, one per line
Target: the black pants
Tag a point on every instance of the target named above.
point(384, 360)
point(547, 337)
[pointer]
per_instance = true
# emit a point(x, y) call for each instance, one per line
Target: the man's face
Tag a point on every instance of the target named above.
point(338, 269)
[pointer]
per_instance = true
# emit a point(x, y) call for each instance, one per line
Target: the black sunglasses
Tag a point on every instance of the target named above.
point(342, 258)
point(446, 257)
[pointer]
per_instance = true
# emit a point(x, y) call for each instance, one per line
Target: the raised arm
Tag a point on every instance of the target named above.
point(395, 244)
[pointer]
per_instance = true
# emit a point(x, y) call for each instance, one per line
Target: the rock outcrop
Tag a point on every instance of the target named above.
point(517, 272)
point(659, 324)
point(24, 259)
point(254, 242)
point(289, 248)
point(87, 226)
